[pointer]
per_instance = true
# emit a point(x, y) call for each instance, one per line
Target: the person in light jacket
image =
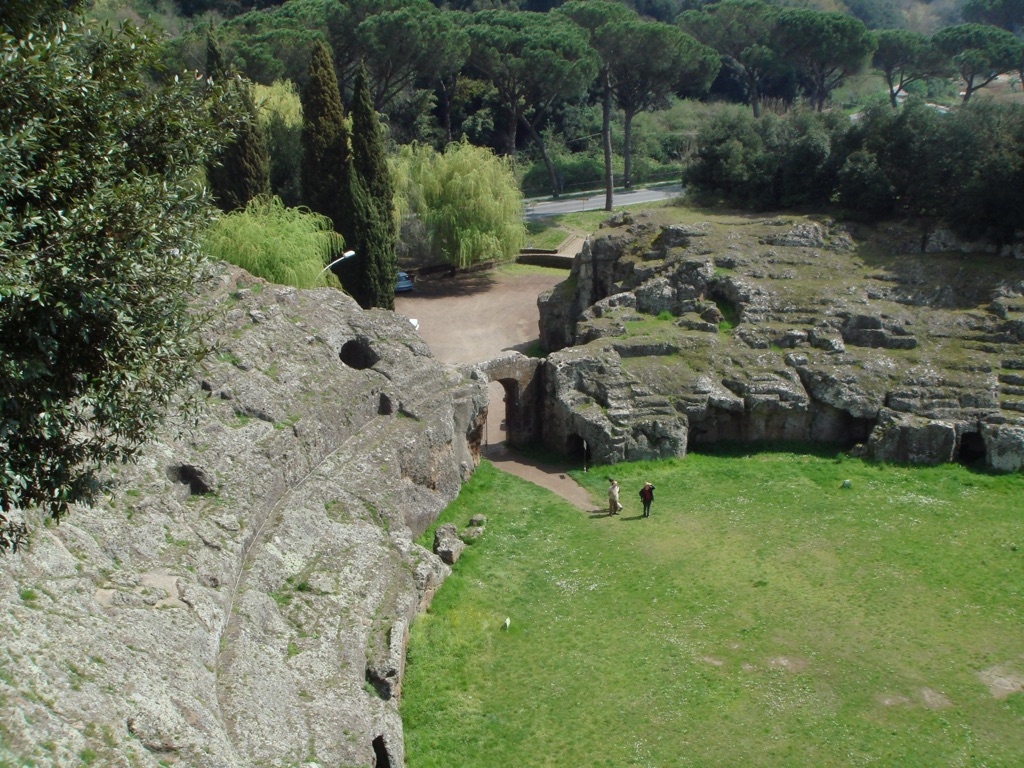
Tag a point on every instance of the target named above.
point(613, 497)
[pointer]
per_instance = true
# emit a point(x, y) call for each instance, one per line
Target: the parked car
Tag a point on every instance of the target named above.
point(404, 283)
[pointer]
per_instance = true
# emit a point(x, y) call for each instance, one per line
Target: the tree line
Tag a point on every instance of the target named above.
point(965, 168)
point(536, 80)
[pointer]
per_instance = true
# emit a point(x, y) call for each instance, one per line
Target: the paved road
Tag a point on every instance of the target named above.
point(538, 208)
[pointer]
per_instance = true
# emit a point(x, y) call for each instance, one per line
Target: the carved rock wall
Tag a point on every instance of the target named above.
point(242, 596)
point(785, 329)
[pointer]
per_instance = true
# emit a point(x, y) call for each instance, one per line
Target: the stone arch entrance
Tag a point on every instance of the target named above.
point(513, 412)
point(502, 404)
point(972, 449)
point(577, 450)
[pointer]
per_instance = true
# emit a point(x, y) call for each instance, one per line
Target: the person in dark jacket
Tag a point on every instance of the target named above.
point(647, 496)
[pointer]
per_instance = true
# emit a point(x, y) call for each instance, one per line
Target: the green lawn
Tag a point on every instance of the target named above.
point(763, 616)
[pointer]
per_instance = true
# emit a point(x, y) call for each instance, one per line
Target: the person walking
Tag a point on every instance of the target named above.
point(647, 496)
point(613, 497)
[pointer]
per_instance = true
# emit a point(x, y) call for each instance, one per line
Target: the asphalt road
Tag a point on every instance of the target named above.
point(538, 208)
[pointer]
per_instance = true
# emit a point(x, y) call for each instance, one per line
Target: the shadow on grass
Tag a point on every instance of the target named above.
point(600, 514)
point(733, 449)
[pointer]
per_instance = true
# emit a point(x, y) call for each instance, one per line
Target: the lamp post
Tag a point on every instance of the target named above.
point(345, 255)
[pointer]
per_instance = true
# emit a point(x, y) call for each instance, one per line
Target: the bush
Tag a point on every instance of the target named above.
point(290, 246)
point(100, 217)
point(862, 188)
point(732, 162)
point(576, 171)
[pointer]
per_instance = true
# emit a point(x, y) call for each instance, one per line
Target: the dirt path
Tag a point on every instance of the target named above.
point(473, 317)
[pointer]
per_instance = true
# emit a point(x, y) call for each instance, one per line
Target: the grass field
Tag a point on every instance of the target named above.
point(763, 616)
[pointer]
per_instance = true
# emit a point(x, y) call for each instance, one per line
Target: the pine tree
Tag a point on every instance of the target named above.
point(325, 153)
point(241, 170)
point(379, 242)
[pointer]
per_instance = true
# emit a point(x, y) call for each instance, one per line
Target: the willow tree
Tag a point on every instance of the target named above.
point(285, 245)
point(280, 115)
point(466, 199)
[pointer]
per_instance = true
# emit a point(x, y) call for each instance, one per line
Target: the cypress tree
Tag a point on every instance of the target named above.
point(357, 229)
point(369, 165)
point(325, 153)
point(215, 64)
point(241, 169)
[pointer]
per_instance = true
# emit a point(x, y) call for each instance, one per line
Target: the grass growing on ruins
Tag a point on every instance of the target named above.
point(763, 616)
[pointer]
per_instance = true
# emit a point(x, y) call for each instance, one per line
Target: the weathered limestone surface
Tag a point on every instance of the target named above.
point(786, 328)
point(242, 596)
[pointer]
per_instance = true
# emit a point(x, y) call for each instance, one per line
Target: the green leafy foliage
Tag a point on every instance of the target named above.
point(742, 31)
point(905, 57)
point(280, 115)
point(19, 17)
point(534, 61)
point(825, 48)
point(415, 41)
point(100, 218)
point(467, 200)
point(641, 81)
point(771, 161)
point(325, 151)
point(290, 246)
point(964, 168)
point(1008, 14)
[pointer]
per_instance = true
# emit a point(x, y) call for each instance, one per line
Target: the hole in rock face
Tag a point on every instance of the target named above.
point(198, 479)
point(972, 448)
point(577, 449)
point(382, 682)
point(381, 758)
point(358, 354)
point(857, 430)
point(385, 407)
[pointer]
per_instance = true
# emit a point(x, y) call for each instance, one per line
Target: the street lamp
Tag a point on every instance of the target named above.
point(345, 255)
